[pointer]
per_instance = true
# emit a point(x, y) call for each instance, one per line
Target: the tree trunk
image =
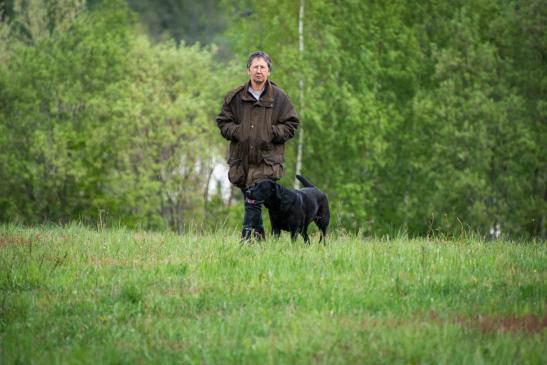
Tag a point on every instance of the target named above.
point(301, 129)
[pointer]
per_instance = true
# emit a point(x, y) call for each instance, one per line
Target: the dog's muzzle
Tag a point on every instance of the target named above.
point(253, 201)
point(249, 198)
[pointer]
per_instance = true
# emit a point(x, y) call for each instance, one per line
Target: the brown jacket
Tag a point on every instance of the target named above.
point(257, 131)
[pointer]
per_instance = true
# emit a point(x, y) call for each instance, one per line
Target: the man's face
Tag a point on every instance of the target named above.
point(259, 71)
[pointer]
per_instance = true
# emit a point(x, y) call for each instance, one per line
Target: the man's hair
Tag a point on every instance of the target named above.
point(260, 54)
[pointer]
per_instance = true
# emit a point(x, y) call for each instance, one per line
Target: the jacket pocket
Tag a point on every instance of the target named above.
point(273, 166)
point(236, 173)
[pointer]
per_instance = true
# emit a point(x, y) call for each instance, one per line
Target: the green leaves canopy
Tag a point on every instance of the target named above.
point(417, 117)
point(98, 124)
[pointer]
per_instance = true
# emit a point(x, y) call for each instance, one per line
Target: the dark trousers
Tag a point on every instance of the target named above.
point(252, 219)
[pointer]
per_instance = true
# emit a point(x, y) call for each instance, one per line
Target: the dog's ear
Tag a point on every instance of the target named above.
point(278, 191)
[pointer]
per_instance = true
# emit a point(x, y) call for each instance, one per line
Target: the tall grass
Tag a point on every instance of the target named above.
point(77, 295)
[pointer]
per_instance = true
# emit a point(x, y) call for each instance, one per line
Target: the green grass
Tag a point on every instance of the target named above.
point(76, 295)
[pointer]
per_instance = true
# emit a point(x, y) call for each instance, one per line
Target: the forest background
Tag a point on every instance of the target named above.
point(416, 117)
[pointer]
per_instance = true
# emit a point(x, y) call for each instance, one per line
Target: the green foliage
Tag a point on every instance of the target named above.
point(100, 125)
point(76, 295)
point(477, 130)
point(418, 118)
point(183, 20)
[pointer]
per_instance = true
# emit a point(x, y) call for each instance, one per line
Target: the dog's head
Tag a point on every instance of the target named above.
point(264, 191)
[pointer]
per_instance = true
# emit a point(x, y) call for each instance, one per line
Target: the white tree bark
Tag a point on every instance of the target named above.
point(301, 129)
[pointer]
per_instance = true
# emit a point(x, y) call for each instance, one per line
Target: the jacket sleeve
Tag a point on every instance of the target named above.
point(226, 122)
point(287, 123)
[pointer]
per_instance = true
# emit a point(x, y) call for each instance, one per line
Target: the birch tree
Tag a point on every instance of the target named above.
point(301, 94)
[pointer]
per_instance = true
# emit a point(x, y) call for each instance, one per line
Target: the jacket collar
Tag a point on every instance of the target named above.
point(266, 98)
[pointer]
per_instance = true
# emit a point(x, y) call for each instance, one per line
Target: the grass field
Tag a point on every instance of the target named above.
point(76, 295)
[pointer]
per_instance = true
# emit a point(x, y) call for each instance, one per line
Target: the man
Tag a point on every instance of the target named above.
point(257, 118)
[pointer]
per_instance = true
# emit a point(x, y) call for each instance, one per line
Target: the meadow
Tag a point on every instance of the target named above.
point(77, 295)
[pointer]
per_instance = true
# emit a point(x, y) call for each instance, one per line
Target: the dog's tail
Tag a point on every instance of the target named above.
point(304, 182)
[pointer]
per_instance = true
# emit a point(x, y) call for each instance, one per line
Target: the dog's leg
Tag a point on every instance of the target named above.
point(259, 234)
point(276, 232)
point(323, 237)
point(294, 234)
point(322, 230)
point(322, 220)
point(306, 237)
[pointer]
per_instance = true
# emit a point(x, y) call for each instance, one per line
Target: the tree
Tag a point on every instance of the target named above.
point(98, 125)
point(418, 116)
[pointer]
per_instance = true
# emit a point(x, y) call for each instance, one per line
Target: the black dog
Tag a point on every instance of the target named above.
point(293, 210)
